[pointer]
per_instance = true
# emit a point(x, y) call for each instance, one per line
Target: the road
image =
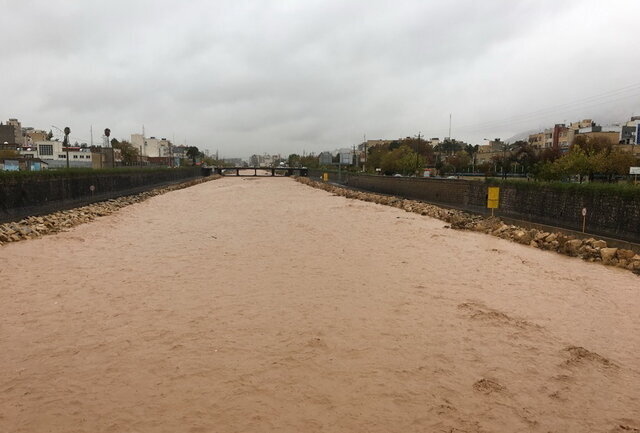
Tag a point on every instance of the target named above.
point(260, 304)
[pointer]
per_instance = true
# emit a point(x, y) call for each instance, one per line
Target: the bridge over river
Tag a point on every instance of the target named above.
point(262, 171)
point(248, 304)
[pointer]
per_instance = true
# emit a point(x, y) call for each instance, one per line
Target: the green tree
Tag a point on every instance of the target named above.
point(193, 153)
point(129, 153)
point(309, 161)
point(576, 162)
point(618, 163)
point(460, 161)
point(293, 160)
point(527, 157)
point(401, 160)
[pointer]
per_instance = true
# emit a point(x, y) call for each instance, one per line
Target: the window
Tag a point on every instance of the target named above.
point(45, 149)
point(62, 156)
point(75, 156)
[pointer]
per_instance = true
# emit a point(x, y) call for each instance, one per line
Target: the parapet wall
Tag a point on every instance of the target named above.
point(608, 214)
point(23, 196)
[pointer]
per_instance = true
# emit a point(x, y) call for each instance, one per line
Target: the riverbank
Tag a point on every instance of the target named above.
point(37, 226)
point(589, 249)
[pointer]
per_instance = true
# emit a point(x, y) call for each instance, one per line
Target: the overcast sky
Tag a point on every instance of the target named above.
point(286, 76)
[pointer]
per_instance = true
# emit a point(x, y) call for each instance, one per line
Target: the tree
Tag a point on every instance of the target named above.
point(546, 170)
point(374, 158)
point(293, 160)
point(527, 157)
point(129, 153)
point(460, 160)
point(591, 145)
point(193, 153)
point(309, 161)
point(449, 146)
point(575, 162)
point(618, 163)
point(401, 160)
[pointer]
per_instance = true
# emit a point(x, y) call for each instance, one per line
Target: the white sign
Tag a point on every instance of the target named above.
point(634, 170)
point(584, 211)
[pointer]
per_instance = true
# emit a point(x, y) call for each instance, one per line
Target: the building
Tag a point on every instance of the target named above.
point(11, 133)
point(560, 136)
point(370, 144)
point(152, 146)
point(325, 158)
point(613, 137)
point(55, 154)
point(264, 160)
point(346, 156)
point(235, 162)
point(35, 135)
point(537, 140)
point(179, 152)
point(489, 152)
point(22, 164)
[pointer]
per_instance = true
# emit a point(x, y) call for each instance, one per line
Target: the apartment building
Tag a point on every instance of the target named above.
point(151, 146)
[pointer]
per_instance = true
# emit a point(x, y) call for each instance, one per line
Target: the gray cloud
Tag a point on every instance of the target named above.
point(252, 76)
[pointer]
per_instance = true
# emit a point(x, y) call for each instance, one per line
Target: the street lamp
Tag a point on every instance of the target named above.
point(107, 133)
point(67, 131)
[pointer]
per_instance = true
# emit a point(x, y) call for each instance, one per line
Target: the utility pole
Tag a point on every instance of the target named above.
point(355, 156)
point(417, 152)
point(364, 142)
point(449, 126)
point(91, 130)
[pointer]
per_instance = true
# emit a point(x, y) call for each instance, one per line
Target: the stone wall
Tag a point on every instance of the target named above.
point(22, 196)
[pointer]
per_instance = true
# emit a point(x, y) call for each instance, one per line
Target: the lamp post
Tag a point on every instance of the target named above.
point(67, 131)
point(107, 133)
point(504, 160)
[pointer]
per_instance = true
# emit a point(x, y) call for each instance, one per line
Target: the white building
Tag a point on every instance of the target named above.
point(151, 146)
point(55, 155)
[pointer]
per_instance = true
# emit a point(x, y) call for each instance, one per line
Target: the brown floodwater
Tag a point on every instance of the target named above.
point(255, 305)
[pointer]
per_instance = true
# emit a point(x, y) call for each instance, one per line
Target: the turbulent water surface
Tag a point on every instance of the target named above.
point(247, 305)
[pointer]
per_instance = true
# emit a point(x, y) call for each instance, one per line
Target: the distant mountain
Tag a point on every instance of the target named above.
point(521, 136)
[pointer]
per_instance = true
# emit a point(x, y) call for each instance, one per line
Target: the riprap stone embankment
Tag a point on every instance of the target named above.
point(590, 249)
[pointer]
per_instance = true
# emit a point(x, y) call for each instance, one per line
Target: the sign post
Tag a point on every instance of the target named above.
point(635, 171)
point(584, 218)
point(493, 198)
